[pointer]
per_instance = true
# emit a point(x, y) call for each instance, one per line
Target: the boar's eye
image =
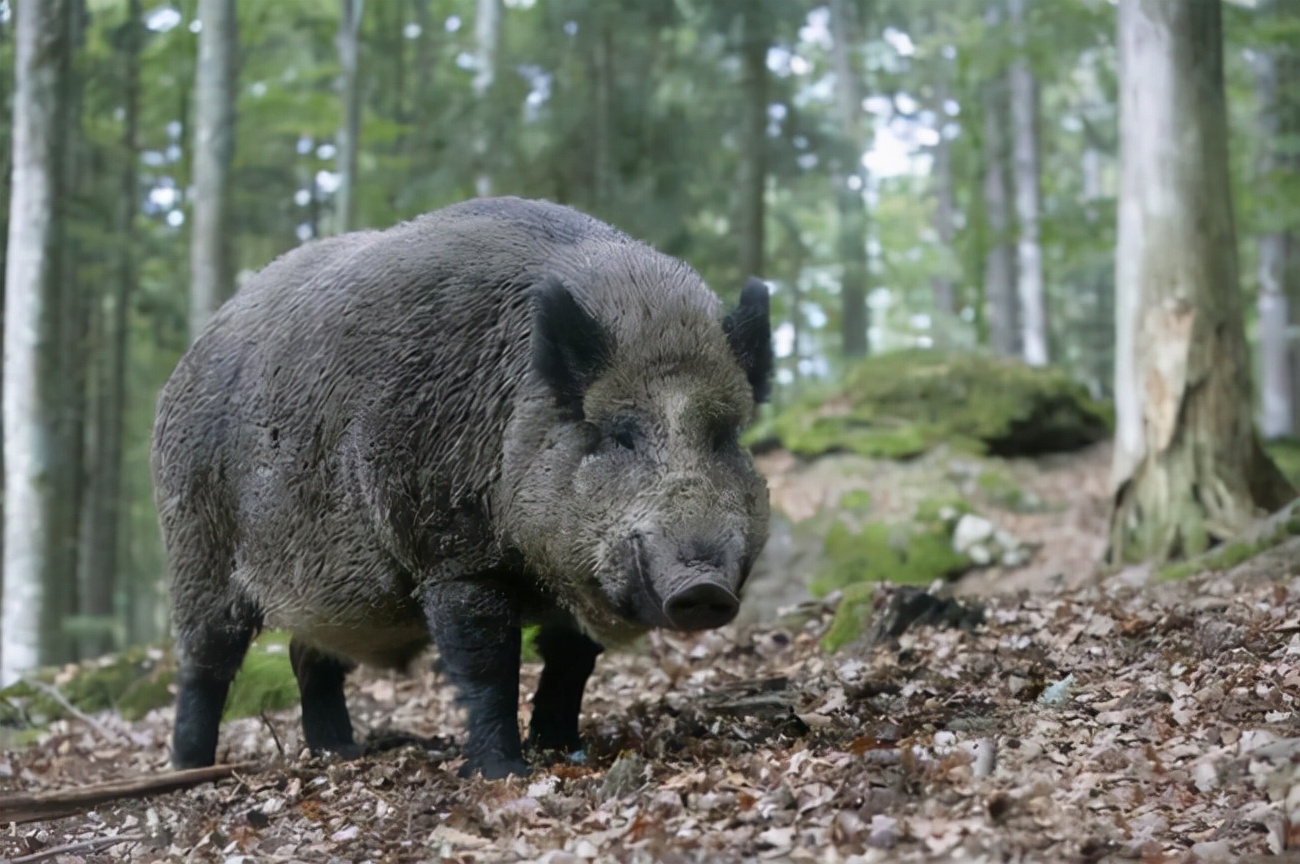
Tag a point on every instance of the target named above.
point(622, 434)
point(725, 437)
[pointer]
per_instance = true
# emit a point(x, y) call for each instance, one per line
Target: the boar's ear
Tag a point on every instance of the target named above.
point(749, 332)
point(570, 347)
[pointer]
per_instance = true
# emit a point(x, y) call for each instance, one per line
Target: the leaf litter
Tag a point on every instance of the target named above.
point(1089, 720)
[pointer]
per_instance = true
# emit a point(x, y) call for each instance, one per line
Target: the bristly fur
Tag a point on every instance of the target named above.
point(488, 406)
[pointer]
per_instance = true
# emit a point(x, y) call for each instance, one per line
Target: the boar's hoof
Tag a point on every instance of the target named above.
point(495, 768)
point(701, 606)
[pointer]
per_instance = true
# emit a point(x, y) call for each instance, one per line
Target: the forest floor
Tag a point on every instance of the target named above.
point(1085, 718)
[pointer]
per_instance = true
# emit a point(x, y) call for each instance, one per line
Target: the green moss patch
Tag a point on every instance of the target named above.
point(265, 682)
point(132, 682)
point(899, 405)
point(852, 615)
point(915, 554)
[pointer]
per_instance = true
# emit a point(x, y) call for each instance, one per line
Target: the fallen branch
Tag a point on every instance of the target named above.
point(94, 845)
point(55, 694)
point(58, 803)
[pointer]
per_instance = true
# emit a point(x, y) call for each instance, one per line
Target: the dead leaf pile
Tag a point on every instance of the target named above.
point(1104, 723)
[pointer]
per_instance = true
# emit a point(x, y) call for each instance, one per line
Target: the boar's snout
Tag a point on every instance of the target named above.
point(700, 606)
point(682, 586)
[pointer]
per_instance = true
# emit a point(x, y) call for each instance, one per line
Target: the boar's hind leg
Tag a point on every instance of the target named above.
point(325, 721)
point(569, 656)
point(210, 652)
point(476, 629)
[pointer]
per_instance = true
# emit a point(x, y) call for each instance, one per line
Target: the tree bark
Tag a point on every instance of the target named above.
point(1189, 470)
point(40, 527)
point(214, 146)
point(850, 182)
point(1029, 253)
point(756, 40)
point(487, 35)
point(348, 43)
point(1001, 302)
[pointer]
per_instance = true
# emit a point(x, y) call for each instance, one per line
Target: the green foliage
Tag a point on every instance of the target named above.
point(265, 682)
point(901, 404)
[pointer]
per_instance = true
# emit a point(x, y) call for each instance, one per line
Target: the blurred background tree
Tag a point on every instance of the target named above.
point(904, 174)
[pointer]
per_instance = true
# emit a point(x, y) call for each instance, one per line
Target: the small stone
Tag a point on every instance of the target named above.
point(970, 530)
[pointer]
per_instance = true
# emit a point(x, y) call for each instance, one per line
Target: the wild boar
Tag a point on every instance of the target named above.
point(498, 414)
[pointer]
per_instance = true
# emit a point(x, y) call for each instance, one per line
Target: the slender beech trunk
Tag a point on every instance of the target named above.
point(487, 35)
point(602, 116)
point(1189, 470)
point(942, 285)
point(850, 182)
point(756, 40)
point(104, 501)
point(1279, 248)
point(212, 266)
point(1001, 302)
point(1029, 252)
point(40, 527)
point(348, 42)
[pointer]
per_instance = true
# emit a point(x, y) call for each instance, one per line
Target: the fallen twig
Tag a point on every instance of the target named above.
point(93, 845)
point(57, 803)
point(54, 693)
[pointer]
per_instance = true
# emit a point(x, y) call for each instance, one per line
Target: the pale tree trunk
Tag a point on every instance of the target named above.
point(602, 115)
point(40, 526)
point(1029, 253)
point(1189, 470)
point(212, 267)
point(756, 39)
point(850, 182)
point(1001, 303)
point(104, 502)
point(487, 36)
point(348, 42)
point(1279, 250)
point(942, 286)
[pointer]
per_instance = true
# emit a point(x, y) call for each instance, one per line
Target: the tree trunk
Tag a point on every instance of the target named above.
point(1279, 254)
point(210, 255)
point(1029, 253)
point(104, 501)
point(348, 43)
point(487, 35)
point(40, 527)
point(756, 40)
point(850, 182)
point(1001, 302)
point(942, 285)
point(1189, 470)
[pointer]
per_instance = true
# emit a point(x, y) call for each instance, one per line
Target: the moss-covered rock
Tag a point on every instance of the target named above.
point(913, 553)
point(900, 405)
point(132, 682)
point(852, 615)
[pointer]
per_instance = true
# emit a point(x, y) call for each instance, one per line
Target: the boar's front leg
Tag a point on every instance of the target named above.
point(568, 657)
point(476, 628)
point(325, 721)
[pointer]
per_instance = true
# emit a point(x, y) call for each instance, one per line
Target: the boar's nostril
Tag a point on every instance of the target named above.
point(701, 606)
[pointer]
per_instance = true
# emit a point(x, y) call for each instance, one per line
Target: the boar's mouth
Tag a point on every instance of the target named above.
point(699, 597)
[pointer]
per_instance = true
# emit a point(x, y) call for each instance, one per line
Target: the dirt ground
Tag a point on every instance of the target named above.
point(1083, 719)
